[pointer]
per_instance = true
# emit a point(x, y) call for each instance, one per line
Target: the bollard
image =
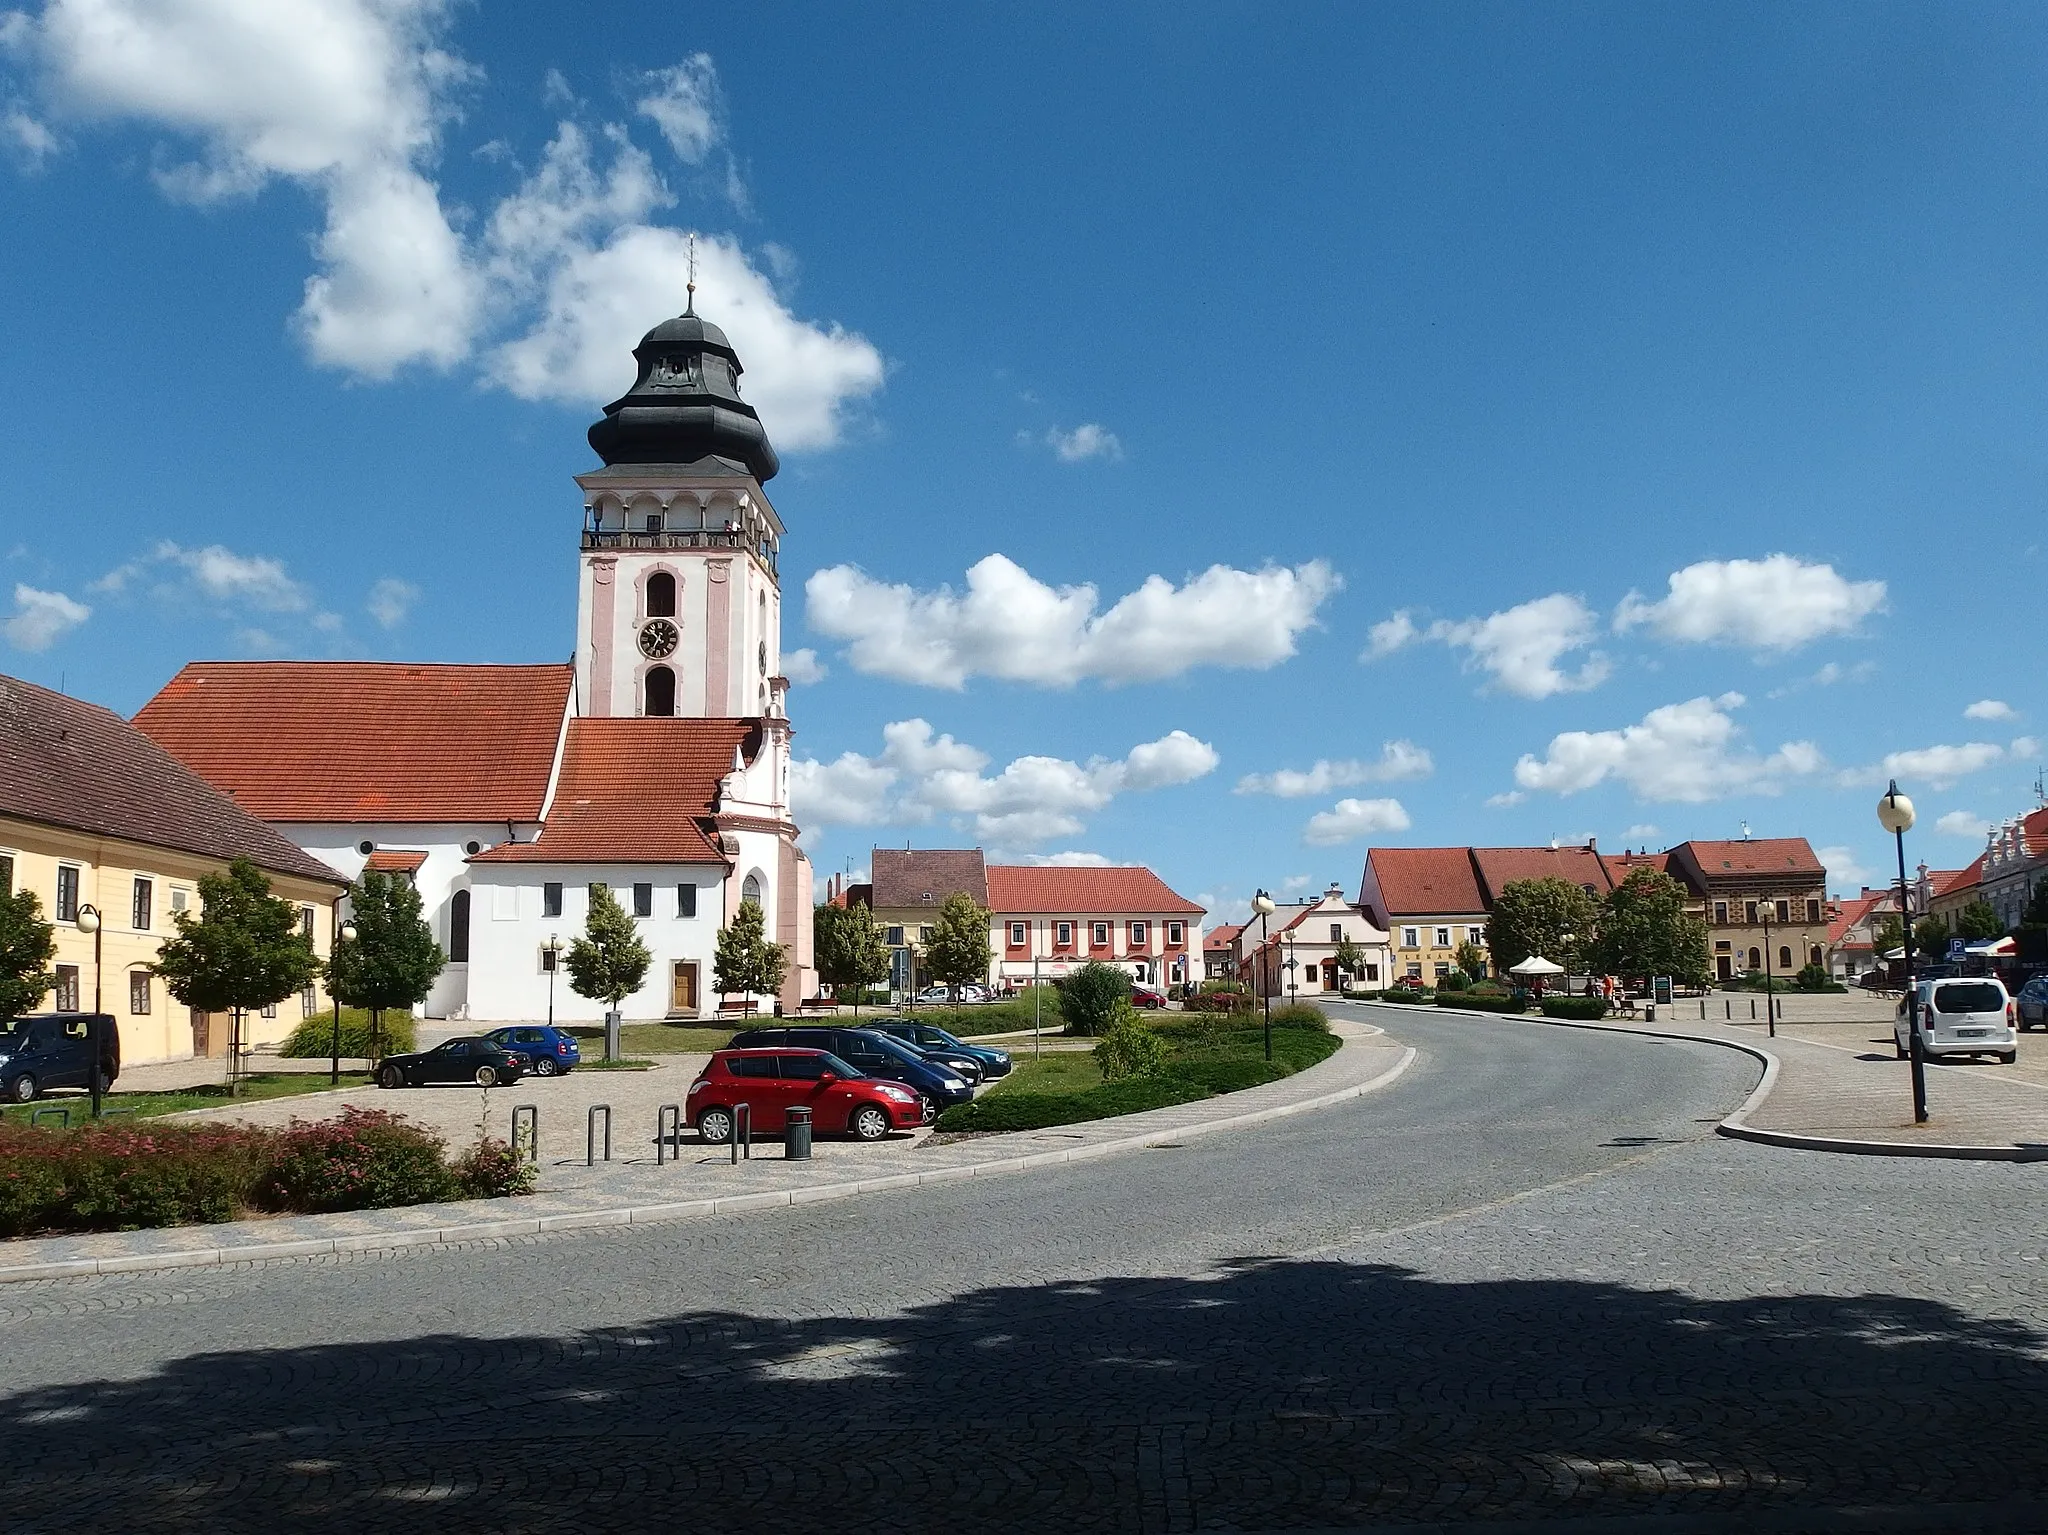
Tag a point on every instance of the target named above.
point(1703, 1009)
point(668, 1131)
point(1727, 1008)
point(525, 1136)
point(796, 1134)
point(1752, 1009)
point(742, 1133)
point(590, 1133)
point(35, 1117)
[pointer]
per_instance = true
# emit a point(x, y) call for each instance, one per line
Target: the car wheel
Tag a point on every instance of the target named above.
point(1903, 1051)
point(2009, 1057)
point(544, 1067)
point(391, 1078)
point(714, 1126)
point(868, 1123)
point(23, 1088)
point(487, 1076)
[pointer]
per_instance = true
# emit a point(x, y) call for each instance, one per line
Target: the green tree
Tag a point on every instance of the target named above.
point(27, 945)
point(1350, 958)
point(2031, 936)
point(244, 950)
point(1930, 938)
point(1534, 916)
point(1645, 930)
point(1471, 959)
point(958, 952)
point(746, 963)
point(1887, 935)
point(607, 963)
point(1977, 921)
point(392, 961)
point(851, 948)
point(1128, 1048)
point(1089, 998)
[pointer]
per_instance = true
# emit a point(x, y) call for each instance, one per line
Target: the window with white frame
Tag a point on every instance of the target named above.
point(138, 993)
point(1017, 931)
point(1141, 934)
point(309, 1002)
point(1443, 938)
point(1176, 933)
point(142, 901)
point(1099, 934)
point(1063, 934)
point(1476, 934)
point(1336, 932)
point(1411, 938)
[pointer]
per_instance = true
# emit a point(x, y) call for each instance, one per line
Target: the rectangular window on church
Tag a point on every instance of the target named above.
point(686, 900)
point(551, 899)
point(643, 900)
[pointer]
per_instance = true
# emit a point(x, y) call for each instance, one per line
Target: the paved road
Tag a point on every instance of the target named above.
point(1524, 1283)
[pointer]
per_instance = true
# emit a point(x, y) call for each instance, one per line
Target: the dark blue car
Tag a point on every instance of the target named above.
point(936, 1041)
point(874, 1053)
point(551, 1052)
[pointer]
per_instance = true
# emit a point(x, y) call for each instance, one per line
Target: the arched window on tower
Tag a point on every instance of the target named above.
point(458, 928)
point(661, 595)
point(751, 890)
point(660, 693)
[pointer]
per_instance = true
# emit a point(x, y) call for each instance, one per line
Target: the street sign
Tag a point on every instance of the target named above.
point(1955, 948)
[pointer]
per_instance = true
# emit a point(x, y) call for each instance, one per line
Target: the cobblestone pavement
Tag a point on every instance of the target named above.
point(1525, 1283)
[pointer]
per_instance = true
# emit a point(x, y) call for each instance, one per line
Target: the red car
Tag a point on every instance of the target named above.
point(1145, 996)
point(842, 1099)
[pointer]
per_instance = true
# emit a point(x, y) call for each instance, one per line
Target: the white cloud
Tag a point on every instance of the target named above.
point(1519, 647)
point(1774, 604)
point(391, 601)
point(2024, 746)
point(41, 618)
point(1990, 709)
point(1066, 860)
point(1506, 800)
point(1845, 870)
point(1688, 752)
point(1008, 624)
point(1389, 635)
point(1350, 819)
point(215, 577)
point(1962, 823)
point(803, 668)
point(1935, 767)
point(1398, 761)
point(30, 140)
point(1089, 440)
point(683, 101)
point(921, 777)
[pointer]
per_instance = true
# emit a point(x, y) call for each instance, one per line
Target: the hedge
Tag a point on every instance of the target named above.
point(1582, 1008)
point(1482, 1001)
point(313, 1040)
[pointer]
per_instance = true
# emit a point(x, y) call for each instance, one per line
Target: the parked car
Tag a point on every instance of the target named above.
point(1145, 996)
point(939, 1045)
point(44, 1050)
point(1409, 983)
point(843, 1100)
point(551, 1051)
point(871, 1052)
point(2032, 1003)
point(468, 1058)
point(1960, 1015)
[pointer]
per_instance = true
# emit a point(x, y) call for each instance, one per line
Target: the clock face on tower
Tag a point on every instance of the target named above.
point(658, 638)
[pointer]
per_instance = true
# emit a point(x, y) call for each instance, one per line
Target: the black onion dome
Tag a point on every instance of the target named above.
point(685, 405)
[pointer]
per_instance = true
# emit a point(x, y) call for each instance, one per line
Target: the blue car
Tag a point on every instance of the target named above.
point(936, 1041)
point(551, 1052)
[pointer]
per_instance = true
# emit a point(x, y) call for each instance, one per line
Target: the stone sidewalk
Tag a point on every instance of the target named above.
point(698, 1180)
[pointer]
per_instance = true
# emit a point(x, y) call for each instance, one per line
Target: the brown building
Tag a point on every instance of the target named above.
point(1765, 901)
point(905, 889)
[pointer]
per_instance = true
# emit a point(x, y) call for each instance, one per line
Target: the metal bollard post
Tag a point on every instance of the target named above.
point(1703, 1009)
point(35, 1117)
point(1727, 1008)
point(796, 1134)
point(526, 1132)
point(742, 1133)
point(668, 1131)
point(1752, 1009)
point(590, 1133)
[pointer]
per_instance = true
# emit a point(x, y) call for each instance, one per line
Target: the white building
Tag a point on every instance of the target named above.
point(655, 762)
point(1047, 922)
point(1294, 952)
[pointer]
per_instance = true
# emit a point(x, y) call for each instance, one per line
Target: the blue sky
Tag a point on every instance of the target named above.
point(1551, 421)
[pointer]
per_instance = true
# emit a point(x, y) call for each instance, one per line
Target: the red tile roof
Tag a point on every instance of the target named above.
point(1759, 855)
point(1095, 892)
point(1424, 881)
point(925, 876)
point(64, 762)
point(366, 740)
point(1957, 880)
point(1853, 911)
point(393, 861)
point(1222, 939)
point(1502, 866)
point(636, 791)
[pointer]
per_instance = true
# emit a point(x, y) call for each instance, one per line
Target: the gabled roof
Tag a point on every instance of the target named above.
point(64, 762)
point(926, 876)
point(1621, 865)
point(1222, 939)
point(636, 791)
point(1958, 880)
point(1853, 911)
point(1425, 881)
point(367, 740)
point(1759, 855)
point(1090, 892)
point(1502, 866)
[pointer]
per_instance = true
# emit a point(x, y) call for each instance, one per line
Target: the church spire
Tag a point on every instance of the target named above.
point(685, 406)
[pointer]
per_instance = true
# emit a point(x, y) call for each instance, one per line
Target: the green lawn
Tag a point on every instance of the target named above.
point(656, 1039)
point(211, 1095)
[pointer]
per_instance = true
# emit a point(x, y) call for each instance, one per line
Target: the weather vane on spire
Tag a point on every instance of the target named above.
point(690, 307)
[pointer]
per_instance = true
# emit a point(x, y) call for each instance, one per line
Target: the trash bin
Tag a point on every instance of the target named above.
point(796, 1134)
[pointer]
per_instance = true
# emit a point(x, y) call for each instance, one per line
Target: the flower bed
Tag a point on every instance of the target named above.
point(120, 1178)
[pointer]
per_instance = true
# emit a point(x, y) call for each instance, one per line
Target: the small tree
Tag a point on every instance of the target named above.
point(1534, 916)
point(1979, 920)
point(244, 950)
point(1645, 930)
point(958, 952)
point(1350, 957)
point(1128, 1048)
point(1471, 959)
point(1887, 935)
point(393, 960)
point(2031, 936)
point(27, 945)
point(1930, 938)
point(608, 962)
point(851, 949)
point(1089, 998)
point(746, 963)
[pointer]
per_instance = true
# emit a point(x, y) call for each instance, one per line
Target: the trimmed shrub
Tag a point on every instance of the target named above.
point(1129, 1049)
point(1580, 1008)
point(1218, 1002)
point(367, 1159)
point(1484, 1001)
point(313, 1039)
point(1457, 980)
point(1090, 997)
point(1300, 1015)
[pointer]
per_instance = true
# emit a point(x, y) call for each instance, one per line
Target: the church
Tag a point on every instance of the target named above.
point(655, 761)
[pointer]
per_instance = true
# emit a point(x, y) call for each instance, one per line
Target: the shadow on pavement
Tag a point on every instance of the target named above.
point(1276, 1394)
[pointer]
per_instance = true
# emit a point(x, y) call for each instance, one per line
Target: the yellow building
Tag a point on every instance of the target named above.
point(96, 818)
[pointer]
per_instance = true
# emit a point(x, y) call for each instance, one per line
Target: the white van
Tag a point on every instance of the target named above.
point(1965, 1015)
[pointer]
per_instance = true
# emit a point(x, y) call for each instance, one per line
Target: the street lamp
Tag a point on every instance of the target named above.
point(89, 922)
point(1895, 815)
point(553, 949)
point(345, 932)
point(1262, 903)
point(1770, 990)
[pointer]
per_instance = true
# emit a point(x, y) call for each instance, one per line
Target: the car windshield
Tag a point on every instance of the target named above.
point(1969, 997)
point(939, 1037)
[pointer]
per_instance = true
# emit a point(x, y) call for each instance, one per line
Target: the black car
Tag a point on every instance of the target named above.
point(872, 1052)
point(946, 1048)
point(56, 1050)
point(465, 1059)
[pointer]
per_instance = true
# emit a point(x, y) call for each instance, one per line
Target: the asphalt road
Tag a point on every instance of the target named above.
point(1525, 1283)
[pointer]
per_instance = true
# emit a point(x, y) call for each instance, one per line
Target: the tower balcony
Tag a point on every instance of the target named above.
point(627, 540)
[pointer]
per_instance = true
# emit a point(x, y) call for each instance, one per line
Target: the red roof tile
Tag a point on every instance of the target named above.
point(925, 876)
point(393, 861)
point(1502, 866)
point(1424, 881)
point(1759, 855)
point(636, 791)
point(1854, 911)
point(367, 741)
point(1959, 879)
point(1222, 939)
point(1095, 892)
point(64, 762)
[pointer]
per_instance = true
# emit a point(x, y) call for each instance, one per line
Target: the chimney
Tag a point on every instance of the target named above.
point(1592, 844)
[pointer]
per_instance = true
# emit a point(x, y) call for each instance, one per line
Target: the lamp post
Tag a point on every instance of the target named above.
point(1262, 903)
point(343, 932)
point(89, 922)
point(553, 949)
point(1895, 815)
point(1292, 969)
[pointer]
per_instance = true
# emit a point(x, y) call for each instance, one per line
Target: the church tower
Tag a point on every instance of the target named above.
point(679, 607)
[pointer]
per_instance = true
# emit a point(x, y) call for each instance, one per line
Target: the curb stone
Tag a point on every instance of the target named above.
point(637, 1215)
